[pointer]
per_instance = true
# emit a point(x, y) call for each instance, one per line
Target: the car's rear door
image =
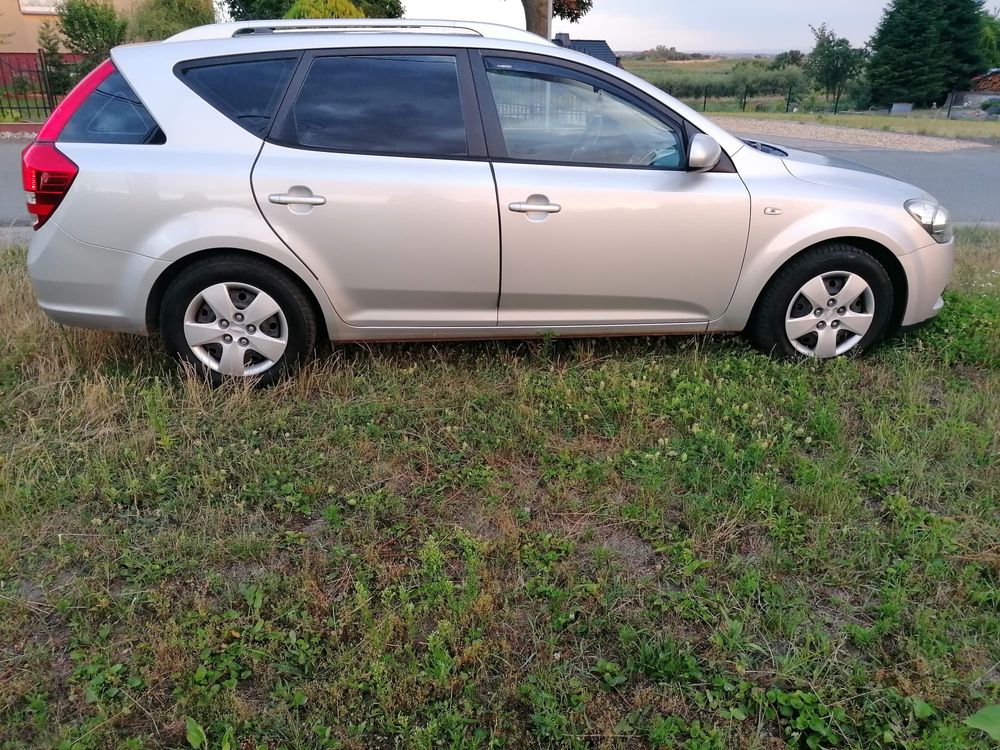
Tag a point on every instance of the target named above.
point(375, 174)
point(601, 221)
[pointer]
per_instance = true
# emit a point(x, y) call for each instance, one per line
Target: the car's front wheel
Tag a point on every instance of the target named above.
point(830, 301)
point(235, 317)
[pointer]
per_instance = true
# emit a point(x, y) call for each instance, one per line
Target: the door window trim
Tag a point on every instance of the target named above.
point(181, 68)
point(497, 144)
point(475, 137)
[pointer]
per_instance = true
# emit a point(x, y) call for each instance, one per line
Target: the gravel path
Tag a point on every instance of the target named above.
point(5, 136)
point(836, 134)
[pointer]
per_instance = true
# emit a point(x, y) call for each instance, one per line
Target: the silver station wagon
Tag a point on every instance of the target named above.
point(246, 189)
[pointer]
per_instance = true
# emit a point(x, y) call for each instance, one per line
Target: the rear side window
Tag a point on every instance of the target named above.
point(246, 91)
point(112, 113)
point(393, 104)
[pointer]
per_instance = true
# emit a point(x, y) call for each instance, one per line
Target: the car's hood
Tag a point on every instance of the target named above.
point(796, 158)
point(821, 169)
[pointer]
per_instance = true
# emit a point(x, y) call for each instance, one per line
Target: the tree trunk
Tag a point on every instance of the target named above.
point(536, 16)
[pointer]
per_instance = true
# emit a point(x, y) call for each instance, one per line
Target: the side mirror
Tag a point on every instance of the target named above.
point(704, 153)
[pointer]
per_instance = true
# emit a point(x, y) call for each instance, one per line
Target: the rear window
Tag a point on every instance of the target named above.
point(393, 104)
point(246, 91)
point(112, 114)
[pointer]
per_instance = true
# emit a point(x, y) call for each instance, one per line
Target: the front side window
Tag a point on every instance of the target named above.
point(393, 104)
point(549, 114)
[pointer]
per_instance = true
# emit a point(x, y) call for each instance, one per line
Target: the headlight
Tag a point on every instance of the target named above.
point(933, 217)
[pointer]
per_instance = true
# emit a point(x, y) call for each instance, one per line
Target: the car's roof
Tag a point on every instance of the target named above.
point(352, 27)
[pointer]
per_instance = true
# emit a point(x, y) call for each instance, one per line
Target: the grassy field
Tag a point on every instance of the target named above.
point(681, 76)
point(980, 130)
point(643, 68)
point(601, 543)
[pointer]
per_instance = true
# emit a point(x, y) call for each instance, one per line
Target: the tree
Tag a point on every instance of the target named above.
point(833, 62)
point(323, 9)
point(153, 20)
point(90, 28)
point(962, 37)
point(991, 37)
point(923, 49)
point(785, 59)
point(536, 12)
point(257, 10)
point(58, 73)
point(381, 8)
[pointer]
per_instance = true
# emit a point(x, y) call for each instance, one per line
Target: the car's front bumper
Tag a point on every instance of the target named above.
point(88, 285)
point(927, 273)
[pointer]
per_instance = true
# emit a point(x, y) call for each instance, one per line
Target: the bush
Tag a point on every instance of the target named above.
point(989, 104)
point(158, 19)
point(324, 9)
point(59, 73)
point(21, 85)
point(90, 28)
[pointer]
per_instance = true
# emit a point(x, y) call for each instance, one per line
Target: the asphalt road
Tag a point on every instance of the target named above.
point(966, 181)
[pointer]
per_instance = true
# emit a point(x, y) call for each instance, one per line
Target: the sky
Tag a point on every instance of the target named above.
point(689, 25)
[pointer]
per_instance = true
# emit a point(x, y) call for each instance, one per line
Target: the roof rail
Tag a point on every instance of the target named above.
point(369, 25)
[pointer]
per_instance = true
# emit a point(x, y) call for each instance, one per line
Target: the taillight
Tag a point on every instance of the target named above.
point(46, 175)
point(46, 172)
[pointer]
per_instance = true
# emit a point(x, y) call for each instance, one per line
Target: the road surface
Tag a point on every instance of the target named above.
point(966, 181)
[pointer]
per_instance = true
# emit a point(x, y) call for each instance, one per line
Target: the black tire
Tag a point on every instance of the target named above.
point(295, 306)
point(767, 324)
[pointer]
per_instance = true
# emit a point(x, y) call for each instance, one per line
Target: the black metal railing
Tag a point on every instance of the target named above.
point(27, 93)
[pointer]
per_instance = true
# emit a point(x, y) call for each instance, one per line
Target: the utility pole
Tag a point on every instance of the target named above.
point(548, 21)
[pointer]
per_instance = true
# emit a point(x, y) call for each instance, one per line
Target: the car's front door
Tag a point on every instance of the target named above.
point(600, 221)
point(375, 174)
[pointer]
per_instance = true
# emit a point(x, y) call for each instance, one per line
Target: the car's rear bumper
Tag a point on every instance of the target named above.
point(88, 285)
point(927, 273)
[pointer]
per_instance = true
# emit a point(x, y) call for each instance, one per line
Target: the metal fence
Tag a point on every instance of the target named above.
point(26, 87)
point(972, 105)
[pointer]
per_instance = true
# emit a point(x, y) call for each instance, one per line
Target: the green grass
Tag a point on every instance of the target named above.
point(666, 542)
point(21, 107)
point(918, 124)
point(644, 68)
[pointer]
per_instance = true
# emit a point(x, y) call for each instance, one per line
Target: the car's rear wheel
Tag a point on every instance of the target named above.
point(830, 301)
point(233, 317)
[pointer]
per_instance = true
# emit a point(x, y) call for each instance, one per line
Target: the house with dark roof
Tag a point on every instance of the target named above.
point(594, 47)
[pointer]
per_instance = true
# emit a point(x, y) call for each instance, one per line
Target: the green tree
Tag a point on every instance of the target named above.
point(153, 20)
point(792, 57)
point(536, 12)
point(323, 9)
point(90, 28)
point(833, 62)
point(991, 38)
point(257, 10)
point(381, 8)
point(962, 37)
point(923, 49)
point(59, 73)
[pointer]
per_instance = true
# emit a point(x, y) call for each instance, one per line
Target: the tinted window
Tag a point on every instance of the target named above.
point(247, 91)
point(397, 104)
point(550, 114)
point(112, 114)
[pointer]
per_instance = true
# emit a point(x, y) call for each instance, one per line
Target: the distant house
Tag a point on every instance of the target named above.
point(594, 47)
point(20, 21)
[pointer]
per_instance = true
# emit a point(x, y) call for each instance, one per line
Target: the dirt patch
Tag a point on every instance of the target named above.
point(850, 136)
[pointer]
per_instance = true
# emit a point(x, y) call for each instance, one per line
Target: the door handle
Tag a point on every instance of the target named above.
point(531, 208)
point(286, 199)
